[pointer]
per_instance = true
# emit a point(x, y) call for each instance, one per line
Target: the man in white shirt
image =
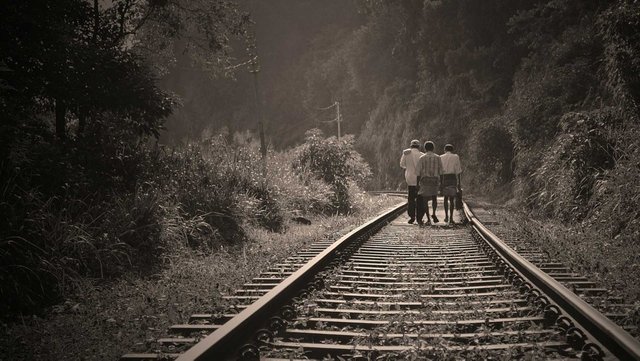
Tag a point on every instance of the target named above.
point(450, 181)
point(408, 162)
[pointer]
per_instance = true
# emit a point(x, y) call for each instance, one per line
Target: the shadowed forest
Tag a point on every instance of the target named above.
point(540, 98)
point(129, 127)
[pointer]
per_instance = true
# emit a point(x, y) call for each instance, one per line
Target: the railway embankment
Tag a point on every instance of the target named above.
point(108, 319)
point(601, 261)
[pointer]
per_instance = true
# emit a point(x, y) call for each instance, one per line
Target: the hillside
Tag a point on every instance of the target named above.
point(540, 98)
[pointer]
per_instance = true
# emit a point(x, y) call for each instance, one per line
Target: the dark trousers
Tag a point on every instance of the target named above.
point(412, 201)
point(422, 209)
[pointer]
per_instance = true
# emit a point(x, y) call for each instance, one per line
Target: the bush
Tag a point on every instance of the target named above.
point(616, 195)
point(336, 163)
point(581, 156)
point(98, 208)
point(105, 204)
point(299, 190)
point(491, 149)
point(61, 239)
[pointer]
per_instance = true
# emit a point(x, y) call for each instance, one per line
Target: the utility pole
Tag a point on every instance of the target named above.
point(338, 117)
point(263, 146)
point(254, 68)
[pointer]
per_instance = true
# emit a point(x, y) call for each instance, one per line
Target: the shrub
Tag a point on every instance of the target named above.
point(62, 238)
point(100, 206)
point(564, 183)
point(492, 151)
point(299, 190)
point(93, 208)
point(614, 203)
point(335, 162)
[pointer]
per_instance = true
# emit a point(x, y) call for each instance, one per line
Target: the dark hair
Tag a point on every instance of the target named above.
point(429, 146)
point(414, 146)
point(448, 148)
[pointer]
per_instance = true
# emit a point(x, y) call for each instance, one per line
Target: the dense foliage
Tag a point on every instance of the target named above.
point(84, 190)
point(87, 190)
point(539, 97)
point(335, 162)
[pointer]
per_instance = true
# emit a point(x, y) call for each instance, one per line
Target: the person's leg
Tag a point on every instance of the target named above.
point(411, 203)
point(425, 204)
point(446, 209)
point(451, 206)
point(434, 206)
point(420, 208)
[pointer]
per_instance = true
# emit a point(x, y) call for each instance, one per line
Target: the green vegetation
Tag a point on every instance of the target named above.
point(111, 317)
point(87, 190)
point(202, 196)
point(540, 98)
point(336, 163)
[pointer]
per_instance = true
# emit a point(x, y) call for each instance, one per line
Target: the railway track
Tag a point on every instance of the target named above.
point(388, 290)
point(606, 301)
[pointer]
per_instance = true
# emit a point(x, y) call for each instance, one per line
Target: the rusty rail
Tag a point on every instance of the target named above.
point(228, 339)
point(619, 342)
point(583, 327)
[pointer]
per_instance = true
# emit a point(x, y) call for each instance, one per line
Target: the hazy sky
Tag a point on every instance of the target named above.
point(284, 31)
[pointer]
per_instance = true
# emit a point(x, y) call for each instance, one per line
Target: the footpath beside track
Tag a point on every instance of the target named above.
point(390, 290)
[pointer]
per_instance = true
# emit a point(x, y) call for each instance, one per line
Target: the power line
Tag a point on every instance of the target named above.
point(337, 119)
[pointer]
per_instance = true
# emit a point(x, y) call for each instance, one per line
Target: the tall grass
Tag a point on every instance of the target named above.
point(100, 218)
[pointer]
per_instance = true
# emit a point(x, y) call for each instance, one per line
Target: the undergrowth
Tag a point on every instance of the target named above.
point(112, 317)
point(99, 209)
point(614, 261)
point(586, 248)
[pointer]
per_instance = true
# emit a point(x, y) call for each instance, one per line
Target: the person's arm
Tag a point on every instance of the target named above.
point(439, 175)
point(459, 171)
point(418, 171)
point(403, 161)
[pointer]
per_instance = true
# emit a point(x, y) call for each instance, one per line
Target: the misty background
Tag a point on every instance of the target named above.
point(294, 40)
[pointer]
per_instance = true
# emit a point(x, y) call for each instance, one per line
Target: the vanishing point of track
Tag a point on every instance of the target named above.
point(390, 291)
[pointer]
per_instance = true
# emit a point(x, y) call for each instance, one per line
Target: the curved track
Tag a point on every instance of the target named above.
point(389, 290)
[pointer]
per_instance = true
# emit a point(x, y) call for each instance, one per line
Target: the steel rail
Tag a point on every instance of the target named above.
point(223, 343)
point(619, 342)
point(391, 193)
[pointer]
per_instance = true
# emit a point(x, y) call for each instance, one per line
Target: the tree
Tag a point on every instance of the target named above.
point(82, 59)
point(335, 162)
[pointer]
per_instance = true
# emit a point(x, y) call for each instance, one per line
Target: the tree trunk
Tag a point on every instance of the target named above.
point(61, 123)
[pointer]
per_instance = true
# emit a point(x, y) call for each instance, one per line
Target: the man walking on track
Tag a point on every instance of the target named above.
point(451, 171)
point(429, 170)
point(408, 162)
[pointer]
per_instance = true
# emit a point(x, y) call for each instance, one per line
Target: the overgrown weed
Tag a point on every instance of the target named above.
point(100, 217)
point(586, 249)
point(110, 318)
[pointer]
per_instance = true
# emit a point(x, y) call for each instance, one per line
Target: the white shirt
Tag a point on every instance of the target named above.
point(451, 163)
point(408, 161)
